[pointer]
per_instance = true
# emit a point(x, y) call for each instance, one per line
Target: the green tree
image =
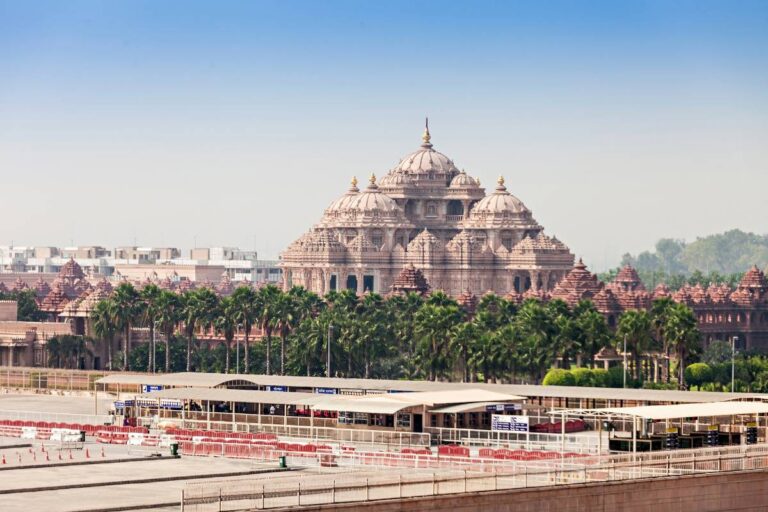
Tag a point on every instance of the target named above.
point(104, 326)
point(225, 323)
point(126, 311)
point(266, 308)
point(247, 307)
point(169, 314)
point(684, 336)
point(149, 297)
point(434, 323)
point(636, 327)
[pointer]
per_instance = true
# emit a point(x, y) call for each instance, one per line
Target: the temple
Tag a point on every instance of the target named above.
point(426, 214)
point(722, 314)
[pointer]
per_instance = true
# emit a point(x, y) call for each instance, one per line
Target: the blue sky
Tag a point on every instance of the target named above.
point(236, 123)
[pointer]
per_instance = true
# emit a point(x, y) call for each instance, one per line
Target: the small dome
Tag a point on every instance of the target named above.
point(464, 180)
point(343, 202)
point(373, 200)
point(499, 202)
point(395, 179)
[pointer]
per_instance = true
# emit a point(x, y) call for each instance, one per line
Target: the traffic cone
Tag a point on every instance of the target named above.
point(3, 458)
point(87, 455)
point(42, 447)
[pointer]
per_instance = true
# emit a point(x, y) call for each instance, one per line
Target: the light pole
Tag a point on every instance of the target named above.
point(154, 348)
point(733, 361)
point(328, 356)
point(625, 361)
point(237, 351)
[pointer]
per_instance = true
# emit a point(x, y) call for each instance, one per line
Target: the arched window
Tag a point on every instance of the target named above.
point(455, 207)
point(377, 238)
point(431, 210)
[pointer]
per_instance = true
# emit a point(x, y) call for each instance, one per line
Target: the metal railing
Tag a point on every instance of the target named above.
point(587, 442)
point(265, 494)
point(58, 417)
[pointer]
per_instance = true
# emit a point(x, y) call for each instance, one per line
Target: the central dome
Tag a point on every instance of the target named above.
point(426, 160)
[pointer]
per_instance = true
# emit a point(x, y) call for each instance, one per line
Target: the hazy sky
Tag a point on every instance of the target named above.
point(237, 123)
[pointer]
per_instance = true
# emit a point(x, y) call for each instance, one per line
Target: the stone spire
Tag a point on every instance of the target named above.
point(426, 137)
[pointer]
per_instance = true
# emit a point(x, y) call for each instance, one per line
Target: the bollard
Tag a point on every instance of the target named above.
point(3, 458)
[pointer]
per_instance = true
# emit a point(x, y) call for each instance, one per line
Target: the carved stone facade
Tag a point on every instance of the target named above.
point(429, 214)
point(722, 313)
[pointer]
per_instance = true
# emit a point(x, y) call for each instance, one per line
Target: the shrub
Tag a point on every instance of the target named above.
point(600, 378)
point(559, 377)
point(583, 377)
point(697, 374)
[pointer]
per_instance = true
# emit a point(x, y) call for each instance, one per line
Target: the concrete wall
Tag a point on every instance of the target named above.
point(744, 491)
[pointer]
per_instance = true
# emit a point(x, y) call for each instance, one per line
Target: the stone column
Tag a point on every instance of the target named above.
point(534, 281)
point(360, 288)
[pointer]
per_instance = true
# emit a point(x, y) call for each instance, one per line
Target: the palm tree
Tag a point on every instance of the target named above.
point(683, 335)
point(169, 309)
point(104, 326)
point(150, 296)
point(125, 312)
point(226, 324)
point(636, 326)
point(537, 331)
point(54, 349)
point(198, 311)
point(433, 325)
point(189, 316)
point(660, 309)
point(246, 302)
point(283, 320)
point(266, 308)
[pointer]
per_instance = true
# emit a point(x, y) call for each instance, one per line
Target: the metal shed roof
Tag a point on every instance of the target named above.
point(192, 379)
point(235, 395)
point(668, 412)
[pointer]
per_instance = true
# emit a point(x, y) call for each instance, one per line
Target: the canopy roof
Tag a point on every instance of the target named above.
point(192, 379)
point(393, 402)
point(668, 412)
point(235, 395)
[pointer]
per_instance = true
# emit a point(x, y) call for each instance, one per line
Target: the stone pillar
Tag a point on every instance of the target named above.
point(465, 205)
point(360, 288)
point(534, 281)
point(545, 280)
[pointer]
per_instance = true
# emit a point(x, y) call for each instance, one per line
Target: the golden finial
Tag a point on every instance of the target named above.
point(354, 182)
point(372, 179)
point(426, 137)
point(500, 181)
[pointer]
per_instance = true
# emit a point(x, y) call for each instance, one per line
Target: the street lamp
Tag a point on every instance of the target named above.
point(625, 360)
point(328, 359)
point(237, 351)
point(733, 361)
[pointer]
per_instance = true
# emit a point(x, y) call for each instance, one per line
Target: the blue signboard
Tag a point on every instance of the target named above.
point(325, 391)
point(277, 388)
point(148, 388)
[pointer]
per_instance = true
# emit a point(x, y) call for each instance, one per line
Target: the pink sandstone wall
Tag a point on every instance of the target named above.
point(745, 491)
point(8, 310)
